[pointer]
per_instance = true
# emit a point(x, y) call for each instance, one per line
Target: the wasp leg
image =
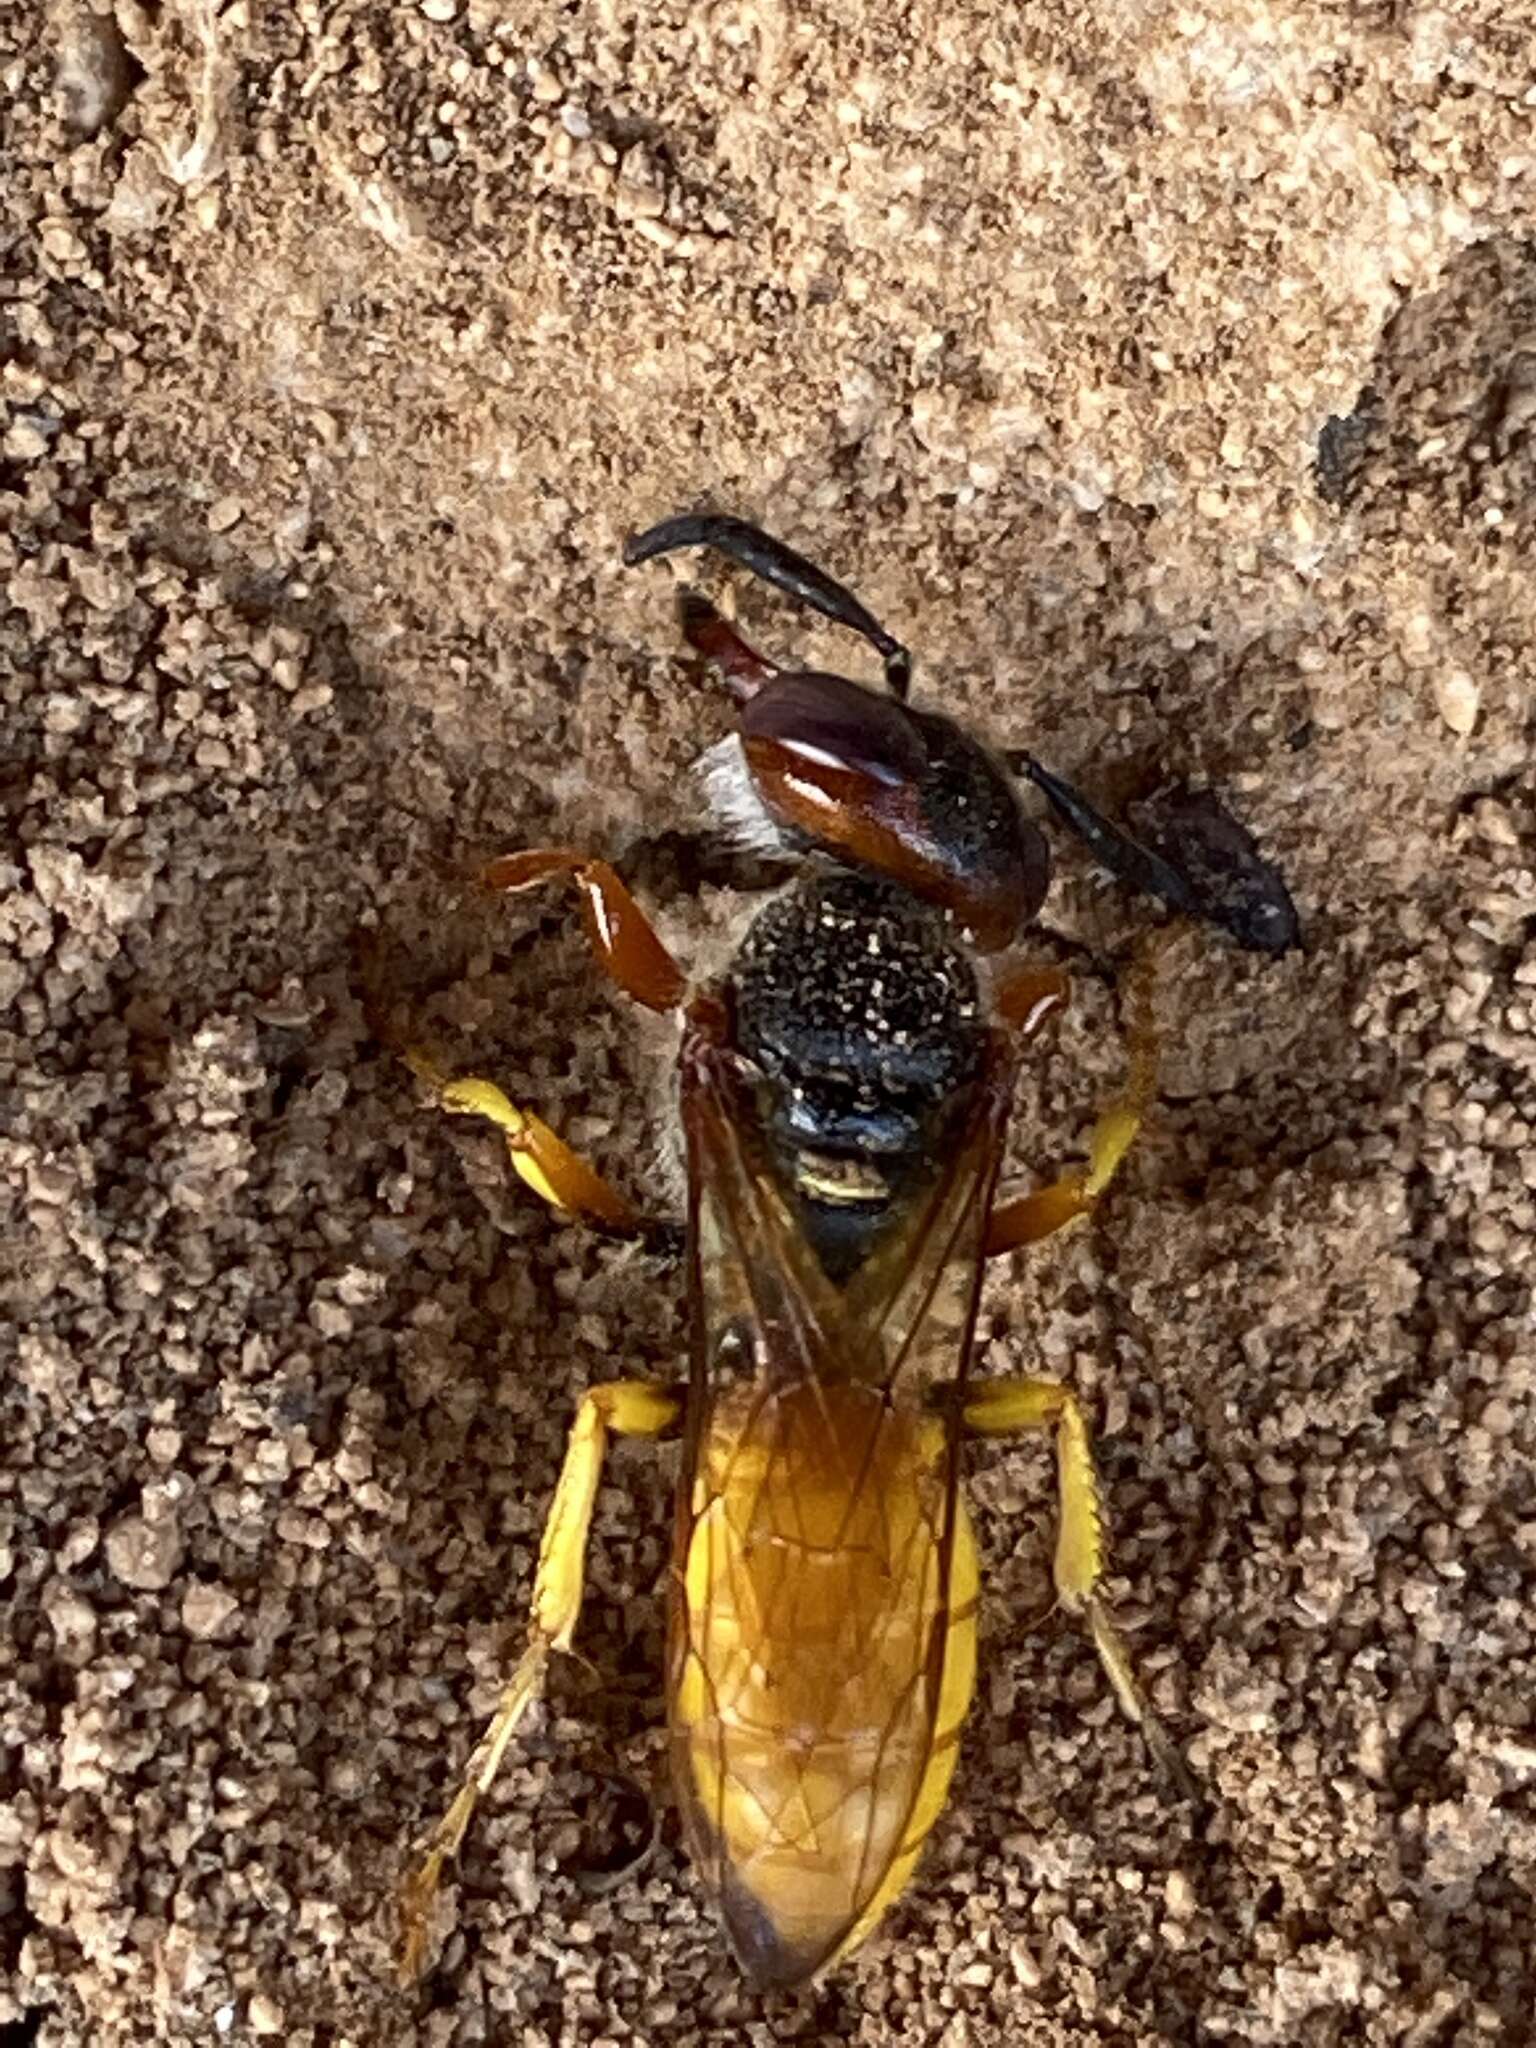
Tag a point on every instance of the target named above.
point(542, 1160)
point(1029, 997)
point(1008, 1408)
point(620, 933)
point(627, 1408)
point(1027, 1218)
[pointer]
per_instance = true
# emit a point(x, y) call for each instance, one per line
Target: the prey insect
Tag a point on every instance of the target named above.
point(845, 1092)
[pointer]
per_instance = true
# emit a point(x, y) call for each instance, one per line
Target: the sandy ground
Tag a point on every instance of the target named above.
point(1168, 378)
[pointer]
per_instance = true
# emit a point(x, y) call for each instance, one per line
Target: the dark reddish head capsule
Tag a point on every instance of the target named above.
point(909, 796)
point(905, 793)
point(868, 779)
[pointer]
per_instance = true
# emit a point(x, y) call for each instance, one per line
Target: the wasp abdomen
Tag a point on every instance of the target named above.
point(826, 1654)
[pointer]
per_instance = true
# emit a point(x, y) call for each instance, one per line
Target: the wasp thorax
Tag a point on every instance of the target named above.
point(861, 1009)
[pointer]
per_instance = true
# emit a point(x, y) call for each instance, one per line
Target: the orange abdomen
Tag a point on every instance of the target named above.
point(823, 1660)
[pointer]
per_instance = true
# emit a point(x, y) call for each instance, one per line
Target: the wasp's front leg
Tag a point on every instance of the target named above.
point(1025, 1219)
point(629, 949)
point(628, 1408)
point(626, 943)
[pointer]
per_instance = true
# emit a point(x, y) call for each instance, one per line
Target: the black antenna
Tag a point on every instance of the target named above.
point(786, 570)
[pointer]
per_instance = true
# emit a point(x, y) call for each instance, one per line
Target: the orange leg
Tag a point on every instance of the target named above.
point(541, 1159)
point(636, 959)
point(620, 933)
point(1029, 997)
point(1028, 1218)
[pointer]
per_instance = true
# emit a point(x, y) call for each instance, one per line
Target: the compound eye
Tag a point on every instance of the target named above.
point(902, 792)
point(833, 733)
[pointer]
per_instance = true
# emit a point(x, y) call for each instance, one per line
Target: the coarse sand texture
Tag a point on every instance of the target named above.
point(1165, 376)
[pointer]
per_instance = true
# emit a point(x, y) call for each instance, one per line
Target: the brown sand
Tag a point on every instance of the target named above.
point(1169, 379)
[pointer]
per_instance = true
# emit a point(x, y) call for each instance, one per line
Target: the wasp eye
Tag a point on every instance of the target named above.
point(905, 793)
point(824, 723)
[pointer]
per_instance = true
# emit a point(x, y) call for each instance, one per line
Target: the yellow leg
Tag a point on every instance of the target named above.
point(629, 1408)
point(1029, 1218)
point(1009, 1407)
point(542, 1160)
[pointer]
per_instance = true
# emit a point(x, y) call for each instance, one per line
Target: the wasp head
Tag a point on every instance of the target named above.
point(824, 765)
point(896, 791)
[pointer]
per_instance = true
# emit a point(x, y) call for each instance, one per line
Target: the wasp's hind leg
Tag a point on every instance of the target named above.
point(1025, 1219)
point(627, 1408)
point(1010, 1407)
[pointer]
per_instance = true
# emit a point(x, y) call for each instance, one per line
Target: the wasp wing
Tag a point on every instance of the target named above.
point(823, 1641)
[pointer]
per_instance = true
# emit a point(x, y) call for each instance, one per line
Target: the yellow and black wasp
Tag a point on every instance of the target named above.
point(845, 1091)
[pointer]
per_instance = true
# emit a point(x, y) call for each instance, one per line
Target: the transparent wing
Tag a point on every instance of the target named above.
point(818, 1572)
point(761, 1300)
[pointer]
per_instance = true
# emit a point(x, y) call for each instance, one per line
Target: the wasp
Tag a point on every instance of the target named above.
point(844, 1092)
